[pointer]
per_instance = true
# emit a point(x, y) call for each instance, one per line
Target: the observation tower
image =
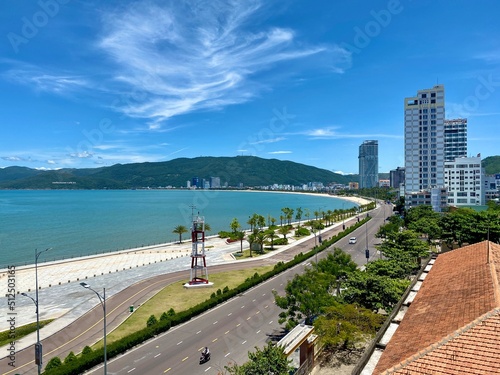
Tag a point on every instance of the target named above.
point(199, 272)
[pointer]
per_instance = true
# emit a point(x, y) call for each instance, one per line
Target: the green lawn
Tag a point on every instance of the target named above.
point(177, 297)
point(21, 332)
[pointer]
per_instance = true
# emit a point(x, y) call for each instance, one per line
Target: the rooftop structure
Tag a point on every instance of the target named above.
point(453, 324)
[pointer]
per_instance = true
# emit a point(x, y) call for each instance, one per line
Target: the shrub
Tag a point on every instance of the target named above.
point(86, 351)
point(302, 231)
point(53, 363)
point(151, 321)
point(71, 357)
point(280, 241)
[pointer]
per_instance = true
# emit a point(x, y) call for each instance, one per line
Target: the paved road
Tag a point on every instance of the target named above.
point(88, 328)
point(233, 329)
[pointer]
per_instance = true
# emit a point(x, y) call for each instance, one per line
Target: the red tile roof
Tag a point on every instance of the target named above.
point(453, 324)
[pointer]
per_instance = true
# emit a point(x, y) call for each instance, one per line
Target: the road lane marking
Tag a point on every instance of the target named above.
point(254, 300)
point(167, 370)
point(266, 306)
point(249, 318)
point(226, 355)
point(129, 371)
point(208, 368)
point(180, 342)
point(185, 359)
point(229, 314)
point(159, 354)
point(244, 342)
point(258, 312)
point(257, 332)
point(263, 294)
point(198, 332)
point(271, 322)
point(215, 322)
point(227, 332)
point(239, 324)
point(243, 306)
point(214, 340)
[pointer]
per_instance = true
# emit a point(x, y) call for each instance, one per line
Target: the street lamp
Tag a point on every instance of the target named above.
point(343, 216)
point(38, 345)
point(102, 299)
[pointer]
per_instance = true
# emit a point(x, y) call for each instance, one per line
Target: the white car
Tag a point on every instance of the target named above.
point(352, 240)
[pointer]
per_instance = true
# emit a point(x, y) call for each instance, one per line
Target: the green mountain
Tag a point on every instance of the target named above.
point(248, 170)
point(491, 164)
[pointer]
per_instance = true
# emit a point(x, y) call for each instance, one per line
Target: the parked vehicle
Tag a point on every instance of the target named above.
point(352, 240)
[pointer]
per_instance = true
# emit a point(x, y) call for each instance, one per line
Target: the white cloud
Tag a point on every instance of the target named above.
point(81, 155)
point(190, 56)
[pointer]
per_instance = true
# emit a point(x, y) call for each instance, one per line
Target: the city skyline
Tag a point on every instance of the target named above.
point(86, 84)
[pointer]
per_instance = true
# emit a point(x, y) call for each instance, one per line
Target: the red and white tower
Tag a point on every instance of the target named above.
point(199, 273)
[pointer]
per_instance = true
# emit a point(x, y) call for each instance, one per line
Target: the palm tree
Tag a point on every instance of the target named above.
point(252, 238)
point(271, 235)
point(298, 215)
point(260, 239)
point(240, 235)
point(179, 229)
point(284, 231)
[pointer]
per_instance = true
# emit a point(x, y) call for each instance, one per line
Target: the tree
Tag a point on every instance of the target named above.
point(305, 297)
point(342, 325)
point(298, 214)
point(235, 225)
point(271, 235)
point(207, 228)
point(270, 360)
point(180, 229)
point(284, 231)
point(372, 291)
point(240, 235)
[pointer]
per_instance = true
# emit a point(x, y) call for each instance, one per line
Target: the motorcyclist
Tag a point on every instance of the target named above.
point(205, 352)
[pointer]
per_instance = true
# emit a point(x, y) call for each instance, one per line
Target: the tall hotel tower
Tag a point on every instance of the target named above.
point(424, 148)
point(368, 164)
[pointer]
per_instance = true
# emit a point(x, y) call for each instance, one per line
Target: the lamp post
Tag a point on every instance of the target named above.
point(102, 299)
point(38, 345)
point(343, 216)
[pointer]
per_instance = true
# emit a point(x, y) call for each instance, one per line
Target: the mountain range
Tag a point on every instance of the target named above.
point(248, 171)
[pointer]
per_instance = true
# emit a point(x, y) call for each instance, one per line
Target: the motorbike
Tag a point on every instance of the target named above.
point(204, 358)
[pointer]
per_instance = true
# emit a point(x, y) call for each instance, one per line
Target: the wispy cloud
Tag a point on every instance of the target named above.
point(279, 152)
point(332, 133)
point(190, 56)
point(47, 81)
point(273, 140)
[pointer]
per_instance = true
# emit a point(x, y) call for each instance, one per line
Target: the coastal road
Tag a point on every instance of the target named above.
point(88, 328)
point(230, 330)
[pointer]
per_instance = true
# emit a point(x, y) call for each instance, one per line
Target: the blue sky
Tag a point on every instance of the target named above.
point(90, 83)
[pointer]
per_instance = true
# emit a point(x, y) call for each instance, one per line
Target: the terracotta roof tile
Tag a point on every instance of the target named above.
point(452, 326)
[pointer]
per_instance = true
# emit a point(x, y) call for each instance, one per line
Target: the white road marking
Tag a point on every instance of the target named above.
point(226, 355)
point(159, 354)
point(180, 342)
point(244, 342)
point(208, 368)
point(129, 371)
point(257, 332)
point(229, 314)
point(198, 332)
point(215, 322)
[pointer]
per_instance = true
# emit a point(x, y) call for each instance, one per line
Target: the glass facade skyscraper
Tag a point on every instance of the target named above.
point(368, 164)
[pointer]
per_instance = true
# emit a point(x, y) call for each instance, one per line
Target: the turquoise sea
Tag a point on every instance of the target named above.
point(83, 222)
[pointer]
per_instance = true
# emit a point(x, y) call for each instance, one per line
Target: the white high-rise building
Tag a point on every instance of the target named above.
point(464, 181)
point(424, 146)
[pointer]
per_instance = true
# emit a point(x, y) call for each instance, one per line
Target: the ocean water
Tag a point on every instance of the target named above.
point(84, 222)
